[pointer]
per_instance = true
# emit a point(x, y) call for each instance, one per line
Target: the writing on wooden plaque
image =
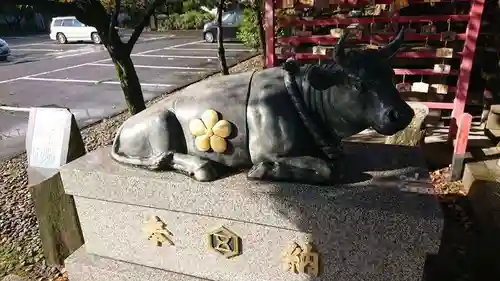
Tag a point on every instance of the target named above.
point(336, 32)
point(287, 4)
point(420, 87)
point(444, 53)
point(428, 29)
point(319, 50)
point(440, 88)
point(442, 68)
point(403, 87)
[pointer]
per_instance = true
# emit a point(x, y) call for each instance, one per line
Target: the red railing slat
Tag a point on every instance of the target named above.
point(328, 39)
point(368, 20)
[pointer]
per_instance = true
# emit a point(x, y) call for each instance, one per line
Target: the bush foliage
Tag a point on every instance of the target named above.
point(188, 20)
point(248, 32)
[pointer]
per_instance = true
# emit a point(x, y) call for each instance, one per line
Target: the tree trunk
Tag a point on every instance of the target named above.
point(262, 35)
point(129, 82)
point(220, 36)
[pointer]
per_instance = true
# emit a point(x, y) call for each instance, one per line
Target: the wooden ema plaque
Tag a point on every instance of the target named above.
point(444, 53)
point(439, 88)
point(428, 29)
point(321, 50)
point(336, 32)
point(287, 4)
point(315, 3)
point(442, 68)
point(403, 87)
point(420, 87)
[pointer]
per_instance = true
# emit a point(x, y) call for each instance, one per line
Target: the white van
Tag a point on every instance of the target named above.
point(69, 29)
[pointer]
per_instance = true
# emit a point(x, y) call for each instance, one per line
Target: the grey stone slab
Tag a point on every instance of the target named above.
point(354, 245)
point(82, 266)
point(378, 226)
point(373, 171)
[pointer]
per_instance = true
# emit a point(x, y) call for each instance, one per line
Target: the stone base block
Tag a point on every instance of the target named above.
point(82, 266)
point(379, 226)
point(481, 182)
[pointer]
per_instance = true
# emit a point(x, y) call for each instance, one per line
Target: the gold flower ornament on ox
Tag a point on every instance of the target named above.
point(210, 132)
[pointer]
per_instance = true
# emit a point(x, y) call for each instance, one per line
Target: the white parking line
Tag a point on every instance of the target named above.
point(154, 38)
point(169, 47)
point(154, 66)
point(31, 44)
point(91, 81)
point(225, 44)
point(35, 50)
point(176, 57)
point(83, 64)
point(215, 50)
point(77, 54)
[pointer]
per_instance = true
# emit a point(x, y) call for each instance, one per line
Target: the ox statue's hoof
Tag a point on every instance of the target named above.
point(205, 173)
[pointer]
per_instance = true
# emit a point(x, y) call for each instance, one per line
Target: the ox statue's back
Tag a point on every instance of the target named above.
point(283, 123)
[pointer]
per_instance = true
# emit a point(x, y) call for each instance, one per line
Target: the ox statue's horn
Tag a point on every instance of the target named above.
point(340, 46)
point(391, 49)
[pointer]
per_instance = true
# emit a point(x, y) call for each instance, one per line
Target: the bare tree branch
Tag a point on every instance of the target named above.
point(114, 19)
point(139, 28)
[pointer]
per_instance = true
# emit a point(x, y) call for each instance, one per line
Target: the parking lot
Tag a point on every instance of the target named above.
point(87, 84)
point(42, 47)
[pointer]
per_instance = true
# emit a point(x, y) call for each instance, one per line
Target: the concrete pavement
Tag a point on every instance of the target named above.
point(82, 77)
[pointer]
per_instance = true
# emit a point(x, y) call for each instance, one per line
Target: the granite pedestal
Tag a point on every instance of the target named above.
point(378, 223)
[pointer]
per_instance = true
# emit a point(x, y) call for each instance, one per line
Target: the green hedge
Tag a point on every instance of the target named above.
point(248, 32)
point(189, 20)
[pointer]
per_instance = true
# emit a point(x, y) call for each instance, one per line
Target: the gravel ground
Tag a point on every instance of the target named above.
point(20, 246)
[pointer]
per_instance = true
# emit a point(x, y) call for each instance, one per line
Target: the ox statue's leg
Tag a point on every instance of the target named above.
point(305, 169)
point(199, 169)
point(157, 143)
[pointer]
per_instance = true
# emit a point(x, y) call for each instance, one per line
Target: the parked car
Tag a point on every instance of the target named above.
point(69, 29)
point(231, 21)
point(4, 50)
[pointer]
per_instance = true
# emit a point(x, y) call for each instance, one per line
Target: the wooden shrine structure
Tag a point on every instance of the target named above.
point(435, 66)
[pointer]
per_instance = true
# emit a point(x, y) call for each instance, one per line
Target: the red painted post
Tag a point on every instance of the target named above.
point(469, 50)
point(457, 164)
point(269, 22)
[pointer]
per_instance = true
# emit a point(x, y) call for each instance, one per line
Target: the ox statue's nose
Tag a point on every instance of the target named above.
point(395, 119)
point(393, 115)
point(401, 116)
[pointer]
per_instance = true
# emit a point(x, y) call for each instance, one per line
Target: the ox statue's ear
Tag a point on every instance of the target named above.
point(320, 78)
point(392, 48)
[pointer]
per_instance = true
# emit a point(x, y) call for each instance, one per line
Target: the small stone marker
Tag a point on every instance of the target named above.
point(52, 140)
point(482, 187)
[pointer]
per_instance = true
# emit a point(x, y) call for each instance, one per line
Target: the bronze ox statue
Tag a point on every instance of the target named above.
point(283, 123)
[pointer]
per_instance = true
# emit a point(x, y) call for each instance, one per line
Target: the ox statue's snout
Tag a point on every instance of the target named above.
point(395, 119)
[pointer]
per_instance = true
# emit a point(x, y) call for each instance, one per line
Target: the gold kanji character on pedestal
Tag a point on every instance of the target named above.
point(156, 230)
